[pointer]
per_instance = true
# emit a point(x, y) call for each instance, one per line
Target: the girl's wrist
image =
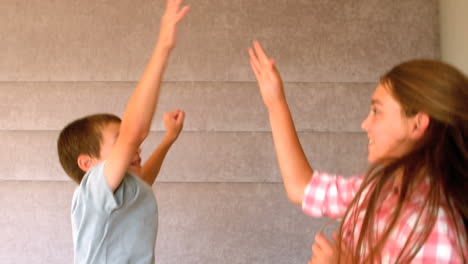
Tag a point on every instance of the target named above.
point(279, 105)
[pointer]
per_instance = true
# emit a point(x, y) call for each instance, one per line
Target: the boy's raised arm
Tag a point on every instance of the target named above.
point(140, 109)
point(174, 122)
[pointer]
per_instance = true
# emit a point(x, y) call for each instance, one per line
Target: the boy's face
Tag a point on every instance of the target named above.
point(110, 133)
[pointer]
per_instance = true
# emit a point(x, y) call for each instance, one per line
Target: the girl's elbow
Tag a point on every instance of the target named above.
point(295, 197)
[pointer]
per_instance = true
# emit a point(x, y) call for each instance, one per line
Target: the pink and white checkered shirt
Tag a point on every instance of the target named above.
point(330, 195)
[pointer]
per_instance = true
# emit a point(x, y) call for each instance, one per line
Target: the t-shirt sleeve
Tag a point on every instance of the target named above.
point(329, 195)
point(96, 191)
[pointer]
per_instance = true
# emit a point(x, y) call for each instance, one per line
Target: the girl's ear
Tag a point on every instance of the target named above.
point(85, 162)
point(420, 124)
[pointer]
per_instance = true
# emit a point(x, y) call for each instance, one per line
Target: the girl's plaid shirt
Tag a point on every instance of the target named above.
point(330, 195)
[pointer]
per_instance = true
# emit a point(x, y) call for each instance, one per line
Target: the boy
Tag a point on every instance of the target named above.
point(114, 213)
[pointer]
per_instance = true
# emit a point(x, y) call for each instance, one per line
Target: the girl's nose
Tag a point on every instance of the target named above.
point(364, 124)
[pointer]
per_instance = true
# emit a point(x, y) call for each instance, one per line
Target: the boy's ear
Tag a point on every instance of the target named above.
point(420, 124)
point(85, 162)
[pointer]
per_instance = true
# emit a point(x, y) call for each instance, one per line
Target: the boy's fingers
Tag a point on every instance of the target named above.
point(177, 116)
point(174, 113)
point(180, 117)
point(171, 114)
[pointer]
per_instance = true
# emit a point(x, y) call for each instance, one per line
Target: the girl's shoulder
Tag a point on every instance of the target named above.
point(446, 235)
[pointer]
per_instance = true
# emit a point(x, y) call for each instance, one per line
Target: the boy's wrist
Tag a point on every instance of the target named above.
point(163, 48)
point(169, 138)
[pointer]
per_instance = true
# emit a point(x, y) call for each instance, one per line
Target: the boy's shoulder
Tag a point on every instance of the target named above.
point(94, 191)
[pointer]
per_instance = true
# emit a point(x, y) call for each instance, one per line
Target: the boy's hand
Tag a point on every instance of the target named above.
point(268, 77)
point(174, 122)
point(173, 14)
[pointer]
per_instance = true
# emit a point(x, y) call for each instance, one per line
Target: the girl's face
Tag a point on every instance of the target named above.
point(388, 129)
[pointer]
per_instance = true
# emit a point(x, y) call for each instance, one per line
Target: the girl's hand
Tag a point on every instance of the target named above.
point(268, 77)
point(173, 14)
point(174, 122)
point(323, 251)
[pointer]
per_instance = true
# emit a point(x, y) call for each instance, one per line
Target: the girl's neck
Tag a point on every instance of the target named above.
point(398, 181)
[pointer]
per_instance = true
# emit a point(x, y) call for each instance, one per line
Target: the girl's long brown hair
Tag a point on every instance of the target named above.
point(440, 91)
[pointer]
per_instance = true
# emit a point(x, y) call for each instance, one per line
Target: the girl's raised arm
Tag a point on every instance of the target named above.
point(295, 169)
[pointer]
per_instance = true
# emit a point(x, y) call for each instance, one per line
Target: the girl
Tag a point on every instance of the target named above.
point(411, 206)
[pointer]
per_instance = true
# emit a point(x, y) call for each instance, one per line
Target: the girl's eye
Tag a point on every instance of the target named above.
point(374, 111)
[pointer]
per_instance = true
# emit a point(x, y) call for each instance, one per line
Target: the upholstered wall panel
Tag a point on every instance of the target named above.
point(198, 223)
point(313, 41)
point(220, 192)
point(210, 106)
point(195, 157)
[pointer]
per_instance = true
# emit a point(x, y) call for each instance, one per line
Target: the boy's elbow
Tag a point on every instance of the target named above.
point(143, 135)
point(134, 136)
point(139, 134)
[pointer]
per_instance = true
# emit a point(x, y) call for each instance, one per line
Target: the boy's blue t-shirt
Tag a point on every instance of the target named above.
point(117, 227)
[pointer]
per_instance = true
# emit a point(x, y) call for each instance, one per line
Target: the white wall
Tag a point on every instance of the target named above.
point(454, 32)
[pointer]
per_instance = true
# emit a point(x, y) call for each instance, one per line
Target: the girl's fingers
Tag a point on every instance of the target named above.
point(181, 14)
point(263, 58)
point(252, 54)
point(256, 67)
point(322, 241)
point(316, 249)
point(254, 59)
point(335, 236)
point(173, 5)
point(254, 63)
point(272, 61)
point(255, 70)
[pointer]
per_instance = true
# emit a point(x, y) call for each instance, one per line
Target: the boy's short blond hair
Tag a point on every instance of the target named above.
point(82, 136)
